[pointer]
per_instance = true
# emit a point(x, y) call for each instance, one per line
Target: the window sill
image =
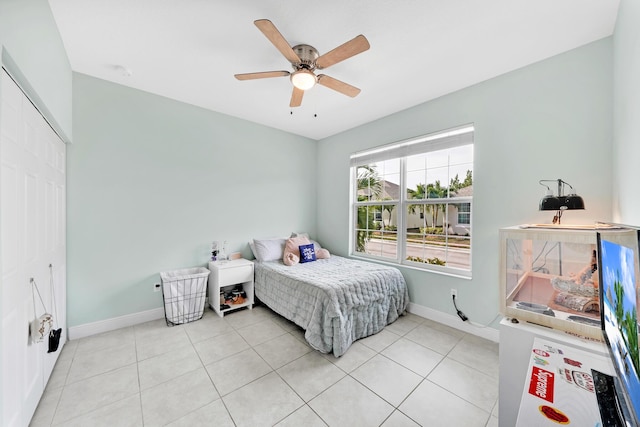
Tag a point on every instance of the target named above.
point(411, 267)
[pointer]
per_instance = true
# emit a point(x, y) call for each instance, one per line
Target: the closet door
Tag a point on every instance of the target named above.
point(32, 236)
point(53, 236)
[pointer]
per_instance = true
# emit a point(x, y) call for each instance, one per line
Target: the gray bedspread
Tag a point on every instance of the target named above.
point(336, 300)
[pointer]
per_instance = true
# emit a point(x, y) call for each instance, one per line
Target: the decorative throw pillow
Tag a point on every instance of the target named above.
point(322, 253)
point(307, 253)
point(292, 247)
point(290, 259)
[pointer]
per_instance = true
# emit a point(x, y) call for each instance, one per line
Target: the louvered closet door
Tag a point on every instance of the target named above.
point(32, 235)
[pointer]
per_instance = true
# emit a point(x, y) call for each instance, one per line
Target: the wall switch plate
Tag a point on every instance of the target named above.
point(156, 287)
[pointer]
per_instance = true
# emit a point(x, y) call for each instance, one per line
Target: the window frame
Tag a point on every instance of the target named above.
point(448, 139)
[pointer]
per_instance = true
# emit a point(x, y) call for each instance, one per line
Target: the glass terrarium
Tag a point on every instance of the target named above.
point(549, 276)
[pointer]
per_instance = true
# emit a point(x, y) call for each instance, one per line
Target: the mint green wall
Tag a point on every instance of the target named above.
point(626, 113)
point(33, 52)
point(545, 121)
point(152, 181)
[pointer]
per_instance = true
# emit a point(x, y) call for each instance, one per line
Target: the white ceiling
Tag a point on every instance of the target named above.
point(189, 50)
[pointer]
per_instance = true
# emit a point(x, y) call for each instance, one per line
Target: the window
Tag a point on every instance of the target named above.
point(464, 213)
point(412, 202)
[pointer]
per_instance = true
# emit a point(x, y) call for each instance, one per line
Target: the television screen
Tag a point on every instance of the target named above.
point(618, 293)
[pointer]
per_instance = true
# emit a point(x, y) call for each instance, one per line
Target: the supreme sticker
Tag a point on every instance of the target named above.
point(541, 384)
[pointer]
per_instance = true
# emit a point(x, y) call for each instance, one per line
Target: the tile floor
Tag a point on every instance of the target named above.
point(253, 368)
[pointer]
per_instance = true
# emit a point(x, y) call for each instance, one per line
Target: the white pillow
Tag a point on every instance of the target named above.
point(268, 249)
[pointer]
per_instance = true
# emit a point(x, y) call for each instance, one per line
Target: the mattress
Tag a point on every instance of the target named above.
point(336, 301)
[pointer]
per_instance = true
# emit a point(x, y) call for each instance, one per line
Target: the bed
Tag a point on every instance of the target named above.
point(336, 300)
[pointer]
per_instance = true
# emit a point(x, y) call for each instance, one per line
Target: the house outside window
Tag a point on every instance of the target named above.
point(412, 202)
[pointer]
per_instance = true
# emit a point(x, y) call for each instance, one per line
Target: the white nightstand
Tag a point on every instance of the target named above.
point(225, 276)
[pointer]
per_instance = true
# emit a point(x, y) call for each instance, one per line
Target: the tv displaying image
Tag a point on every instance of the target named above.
point(619, 314)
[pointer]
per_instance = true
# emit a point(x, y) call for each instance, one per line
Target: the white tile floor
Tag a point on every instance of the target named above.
point(254, 368)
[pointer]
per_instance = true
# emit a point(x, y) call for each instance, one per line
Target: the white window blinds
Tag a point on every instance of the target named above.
point(438, 141)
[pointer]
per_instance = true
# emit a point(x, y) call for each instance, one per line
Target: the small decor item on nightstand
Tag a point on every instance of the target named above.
point(222, 255)
point(214, 251)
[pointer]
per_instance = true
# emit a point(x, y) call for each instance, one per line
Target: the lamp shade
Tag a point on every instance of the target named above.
point(549, 203)
point(572, 201)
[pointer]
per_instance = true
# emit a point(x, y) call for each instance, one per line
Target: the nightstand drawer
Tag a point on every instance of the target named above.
point(232, 276)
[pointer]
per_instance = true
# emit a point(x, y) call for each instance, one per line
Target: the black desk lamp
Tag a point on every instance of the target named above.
point(561, 202)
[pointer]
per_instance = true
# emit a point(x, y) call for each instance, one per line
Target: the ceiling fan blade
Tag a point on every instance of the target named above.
point(261, 75)
point(351, 48)
point(296, 97)
point(338, 85)
point(274, 36)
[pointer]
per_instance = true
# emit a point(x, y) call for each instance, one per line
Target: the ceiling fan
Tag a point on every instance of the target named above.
point(305, 60)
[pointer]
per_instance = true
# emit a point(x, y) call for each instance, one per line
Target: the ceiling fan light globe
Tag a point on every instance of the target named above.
point(303, 79)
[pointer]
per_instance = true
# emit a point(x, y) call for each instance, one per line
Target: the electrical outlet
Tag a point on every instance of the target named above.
point(454, 292)
point(156, 287)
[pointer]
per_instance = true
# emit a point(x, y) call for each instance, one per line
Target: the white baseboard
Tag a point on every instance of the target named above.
point(486, 332)
point(88, 329)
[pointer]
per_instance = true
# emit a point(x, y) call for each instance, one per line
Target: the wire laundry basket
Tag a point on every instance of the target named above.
point(184, 292)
